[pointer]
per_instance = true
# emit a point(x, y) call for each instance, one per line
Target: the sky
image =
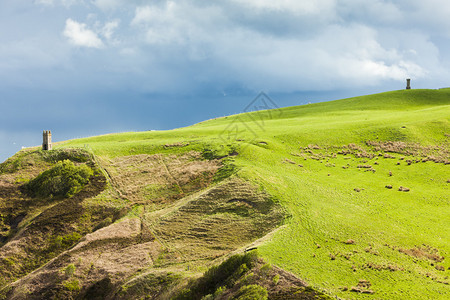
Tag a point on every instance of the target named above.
point(89, 67)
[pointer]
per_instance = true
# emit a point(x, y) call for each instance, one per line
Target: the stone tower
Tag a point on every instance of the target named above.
point(408, 84)
point(47, 143)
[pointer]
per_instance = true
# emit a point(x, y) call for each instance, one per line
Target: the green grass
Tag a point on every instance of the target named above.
point(325, 209)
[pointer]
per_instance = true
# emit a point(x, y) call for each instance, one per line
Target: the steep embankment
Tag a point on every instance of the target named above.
point(160, 216)
point(363, 182)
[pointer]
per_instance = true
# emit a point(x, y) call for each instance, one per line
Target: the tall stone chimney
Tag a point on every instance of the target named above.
point(47, 140)
point(408, 84)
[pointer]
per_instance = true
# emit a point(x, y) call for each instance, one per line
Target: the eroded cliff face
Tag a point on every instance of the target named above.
point(140, 227)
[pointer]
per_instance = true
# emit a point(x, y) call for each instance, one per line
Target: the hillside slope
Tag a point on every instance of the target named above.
point(361, 185)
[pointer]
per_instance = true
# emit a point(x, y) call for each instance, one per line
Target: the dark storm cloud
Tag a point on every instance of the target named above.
point(80, 54)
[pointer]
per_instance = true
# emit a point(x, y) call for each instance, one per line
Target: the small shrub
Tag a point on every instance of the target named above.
point(70, 270)
point(227, 170)
point(276, 279)
point(242, 269)
point(14, 163)
point(219, 291)
point(440, 268)
point(63, 242)
point(72, 285)
point(266, 269)
point(64, 179)
point(252, 292)
point(21, 180)
point(77, 155)
point(184, 294)
point(247, 278)
point(218, 152)
point(225, 274)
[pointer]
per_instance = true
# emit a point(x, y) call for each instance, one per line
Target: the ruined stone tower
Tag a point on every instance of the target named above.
point(408, 84)
point(47, 143)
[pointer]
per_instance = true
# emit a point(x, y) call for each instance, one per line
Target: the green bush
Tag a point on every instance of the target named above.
point(63, 242)
point(252, 292)
point(64, 179)
point(219, 291)
point(70, 270)
point(222, 276)
point(276, 278)
point(72, 285)
point(218, 152)
point(227, 170)
point(25, 159)
point(76, 155)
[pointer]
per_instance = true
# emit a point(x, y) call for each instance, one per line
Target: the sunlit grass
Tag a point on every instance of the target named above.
point(325, 210)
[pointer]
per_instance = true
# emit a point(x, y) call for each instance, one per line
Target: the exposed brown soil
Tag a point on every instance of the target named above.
point(438, 154)
point(106, 256)
point(379, 267)
point(363, 287)
point(403, 189)
point(158, 179)
point(423, 252)
point(374, 149)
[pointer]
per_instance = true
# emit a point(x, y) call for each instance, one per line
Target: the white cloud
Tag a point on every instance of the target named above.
point(174, 23)
point(45, 2)
point(290, 6)
point(79, 35)
point(283, 45)
point(143, 14)
point(288, 65)
point(150, 14)
point(109, 28)
point(338, 55)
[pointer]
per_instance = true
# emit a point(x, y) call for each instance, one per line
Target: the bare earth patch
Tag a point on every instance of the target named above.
point(112, 254)
point(422, 252)
point(160, 179)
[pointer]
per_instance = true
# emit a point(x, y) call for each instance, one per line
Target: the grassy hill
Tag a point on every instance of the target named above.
point(363, 184)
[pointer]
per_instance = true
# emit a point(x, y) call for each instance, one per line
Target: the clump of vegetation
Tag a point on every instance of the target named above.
point(227, 170)
point(148, 286)
point(105, 222)
point(26, 158)
point(64, 179)
point(252, 292)
point(70, 270)
point(14, 163)
point(276, 279)
point(74, 154)
point(221, 276)
point(72, 285)
point(215, 152)
point(58, 243)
